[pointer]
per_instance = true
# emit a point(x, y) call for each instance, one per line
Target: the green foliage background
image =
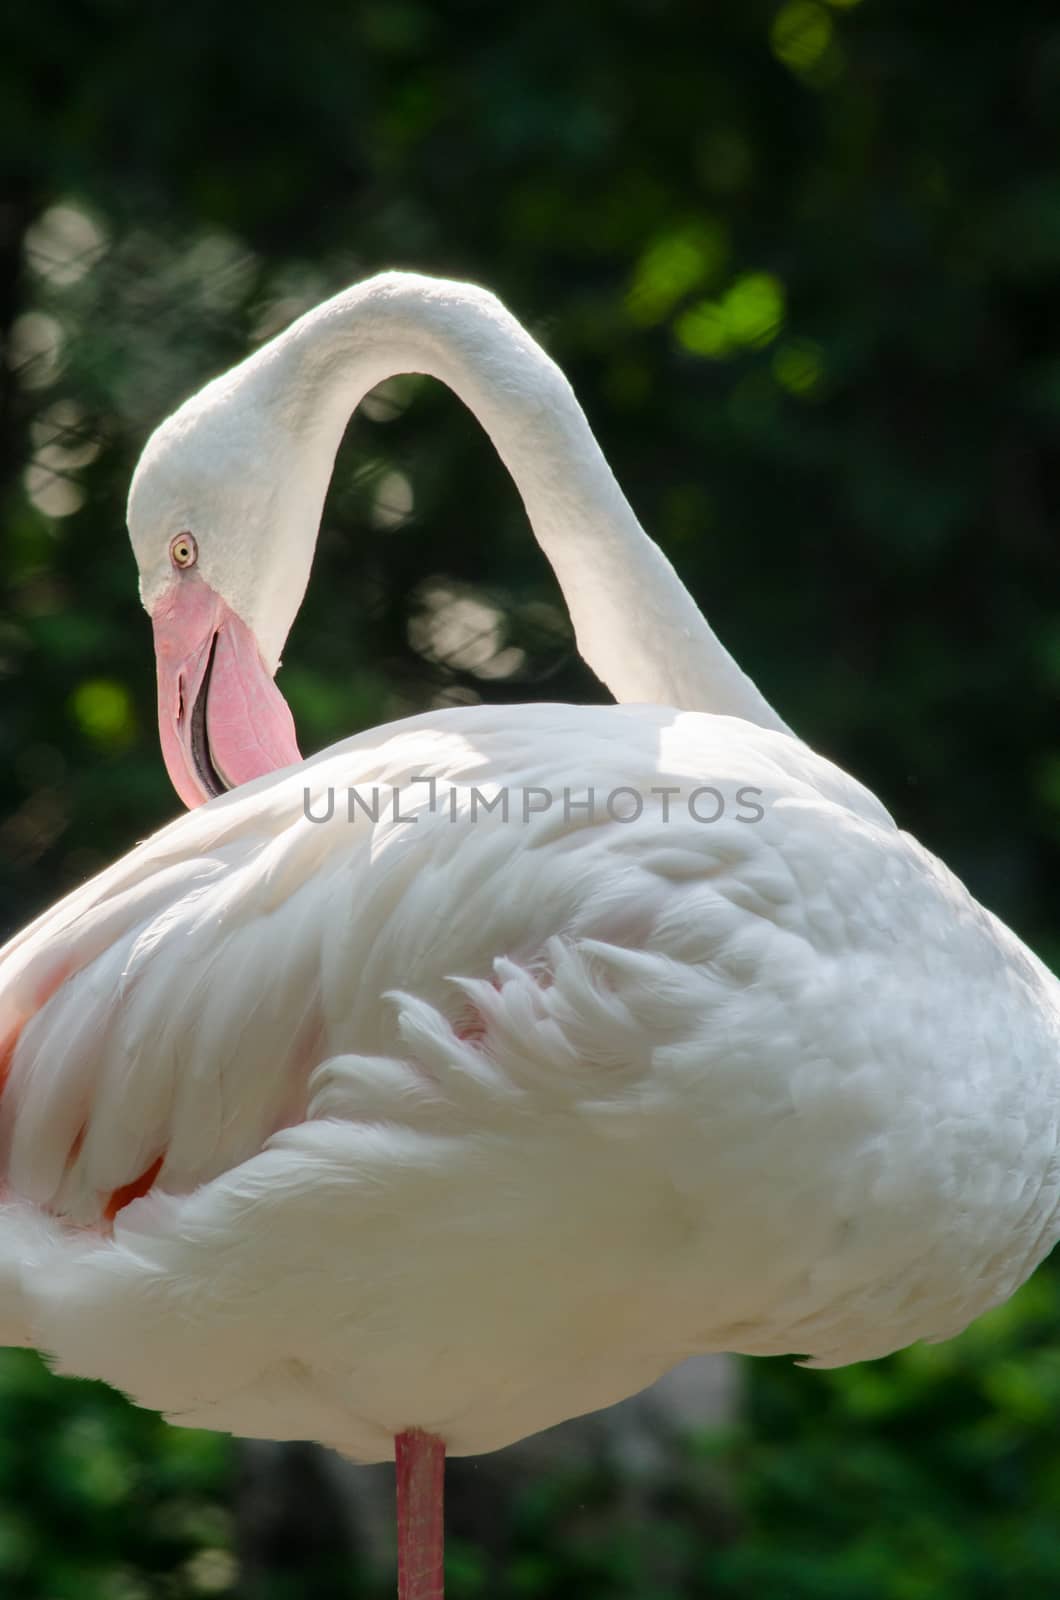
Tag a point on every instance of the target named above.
point(800, 260)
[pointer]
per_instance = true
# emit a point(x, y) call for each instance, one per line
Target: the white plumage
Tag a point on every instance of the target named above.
point(463, 1122)
point(477, 1125)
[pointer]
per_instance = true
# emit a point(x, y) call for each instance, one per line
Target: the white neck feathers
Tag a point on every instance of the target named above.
point(636, 624)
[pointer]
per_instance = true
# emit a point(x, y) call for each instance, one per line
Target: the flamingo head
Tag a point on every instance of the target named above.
point(223, 550)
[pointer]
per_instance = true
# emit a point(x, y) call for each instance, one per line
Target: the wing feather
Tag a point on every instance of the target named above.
point(165, 1019)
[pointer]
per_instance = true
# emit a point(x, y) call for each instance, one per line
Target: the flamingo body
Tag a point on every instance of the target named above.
point(418, 1096)
point(468, 1124)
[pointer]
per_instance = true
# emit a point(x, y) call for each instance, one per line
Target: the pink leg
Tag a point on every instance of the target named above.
point(420, 1461)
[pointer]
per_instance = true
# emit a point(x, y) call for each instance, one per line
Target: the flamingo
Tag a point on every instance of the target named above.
point(472, 1073)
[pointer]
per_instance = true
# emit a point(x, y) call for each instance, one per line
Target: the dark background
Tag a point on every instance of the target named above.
point(800, 261)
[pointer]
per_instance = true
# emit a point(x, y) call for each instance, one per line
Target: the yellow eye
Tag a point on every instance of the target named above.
point(183, 551)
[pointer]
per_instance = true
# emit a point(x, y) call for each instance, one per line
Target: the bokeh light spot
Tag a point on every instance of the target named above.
point(702, 330)
point(754, 308)
point(63, 244)
point(103, 710)
point(393, 502)
point(672, 266)
point(35, 349)
point(801, 34)
point(750, 312)
point(798, 366)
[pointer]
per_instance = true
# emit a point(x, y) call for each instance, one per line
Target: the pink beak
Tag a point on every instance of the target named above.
point(221, 719)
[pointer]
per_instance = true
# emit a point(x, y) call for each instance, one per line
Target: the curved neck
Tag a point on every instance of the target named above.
point(635, 623)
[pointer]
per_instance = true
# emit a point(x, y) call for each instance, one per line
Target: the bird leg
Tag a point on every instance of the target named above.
point(420, 1459)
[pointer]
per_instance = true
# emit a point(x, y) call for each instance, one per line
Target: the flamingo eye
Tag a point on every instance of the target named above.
point(183, 551)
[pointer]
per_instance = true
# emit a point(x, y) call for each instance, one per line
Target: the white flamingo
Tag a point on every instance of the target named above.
point(436, 1124)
